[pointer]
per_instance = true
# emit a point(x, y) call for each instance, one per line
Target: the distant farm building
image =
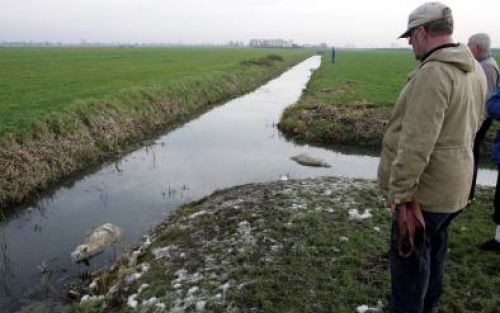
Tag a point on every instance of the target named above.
point(271, 43)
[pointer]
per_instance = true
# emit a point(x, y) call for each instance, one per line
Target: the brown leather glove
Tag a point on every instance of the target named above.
point(410, 220)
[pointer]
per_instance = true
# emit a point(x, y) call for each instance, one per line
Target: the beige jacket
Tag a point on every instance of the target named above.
point(427, 148)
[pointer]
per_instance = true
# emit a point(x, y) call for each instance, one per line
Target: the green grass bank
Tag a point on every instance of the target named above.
point(65, 109)
point(287, 246)
point(349, 102)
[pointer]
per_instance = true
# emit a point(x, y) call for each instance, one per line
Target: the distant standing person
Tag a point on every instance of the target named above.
point(426, 162)
point(333, 55)
point(480, 45)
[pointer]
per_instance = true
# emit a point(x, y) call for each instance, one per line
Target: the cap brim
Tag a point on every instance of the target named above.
point(406, 34)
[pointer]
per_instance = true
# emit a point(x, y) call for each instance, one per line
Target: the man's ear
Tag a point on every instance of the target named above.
point(422, 31)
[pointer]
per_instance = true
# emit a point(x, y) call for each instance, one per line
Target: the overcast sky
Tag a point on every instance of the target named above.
point(367, 23)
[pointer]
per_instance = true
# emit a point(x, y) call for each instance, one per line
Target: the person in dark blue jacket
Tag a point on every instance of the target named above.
point(333, 55)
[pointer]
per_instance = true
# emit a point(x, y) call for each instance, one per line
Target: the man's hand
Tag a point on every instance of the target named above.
point(410, 220)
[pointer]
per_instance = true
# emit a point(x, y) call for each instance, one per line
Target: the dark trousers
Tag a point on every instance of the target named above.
point(417, 281)
point(480, 135)
point(496, 201)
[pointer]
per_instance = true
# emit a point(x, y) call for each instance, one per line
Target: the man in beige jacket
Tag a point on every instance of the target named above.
point(426, 156)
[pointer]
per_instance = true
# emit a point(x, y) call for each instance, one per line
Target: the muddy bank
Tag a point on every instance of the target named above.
point(361, 124)
point(285, 246)
point(314, 245)
point(101, 128)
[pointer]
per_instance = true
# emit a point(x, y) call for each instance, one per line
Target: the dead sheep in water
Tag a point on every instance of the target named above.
point(96, 242)
point(307, 160)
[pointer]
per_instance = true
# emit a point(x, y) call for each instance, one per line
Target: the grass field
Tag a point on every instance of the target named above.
point(64, 109)
point(349, 102)
point(34, 82)
point(373, 76)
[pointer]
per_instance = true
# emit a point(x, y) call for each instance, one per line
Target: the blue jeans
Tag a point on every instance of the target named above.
point(417, 281)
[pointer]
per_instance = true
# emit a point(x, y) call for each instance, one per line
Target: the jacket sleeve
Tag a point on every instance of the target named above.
point(427, 102)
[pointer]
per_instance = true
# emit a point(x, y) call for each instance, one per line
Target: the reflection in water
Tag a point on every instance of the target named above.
point(231, 145)
point(117, 167)
point(6, 275)
point(3, 257)
point(172, 192)
point(151, 154)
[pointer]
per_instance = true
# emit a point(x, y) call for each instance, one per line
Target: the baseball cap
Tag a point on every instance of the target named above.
point(425, 13)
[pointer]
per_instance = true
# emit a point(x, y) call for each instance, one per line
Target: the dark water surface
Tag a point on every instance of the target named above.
point(233, 144)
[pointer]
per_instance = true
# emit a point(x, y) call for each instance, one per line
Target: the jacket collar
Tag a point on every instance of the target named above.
point(446, 45)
